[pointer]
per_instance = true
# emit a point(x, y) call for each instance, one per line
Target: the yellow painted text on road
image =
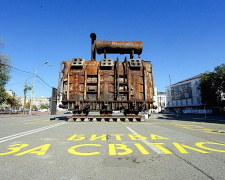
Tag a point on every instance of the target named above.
point(40, 150)
point(118, 137)
point(197, 128)
point(14, 148)
point(73, 150)
point(202, 145)
point(119, 149)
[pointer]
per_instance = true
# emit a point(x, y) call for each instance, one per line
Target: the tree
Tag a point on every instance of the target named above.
point(34, 106)
point(11, 101)
point(212, 87)
point(27, 105)
point(4, 74)
point(26, 88)
point(3, 95)
point(44, 106)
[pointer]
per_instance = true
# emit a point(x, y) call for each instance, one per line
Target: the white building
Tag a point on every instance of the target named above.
point(185, 95)
point(38, 101)
point(159, 99)
point(155, 99)
point(11, 93)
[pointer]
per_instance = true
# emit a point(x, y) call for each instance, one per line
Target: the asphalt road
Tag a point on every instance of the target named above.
point(162, 147)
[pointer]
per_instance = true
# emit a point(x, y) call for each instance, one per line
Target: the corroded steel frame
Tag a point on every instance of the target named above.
point(108, 85)
point(93, 87)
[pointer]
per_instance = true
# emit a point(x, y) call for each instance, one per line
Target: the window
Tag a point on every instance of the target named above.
point(181, 91)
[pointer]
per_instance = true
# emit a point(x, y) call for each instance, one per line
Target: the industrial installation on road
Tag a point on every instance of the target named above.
point(107, 85)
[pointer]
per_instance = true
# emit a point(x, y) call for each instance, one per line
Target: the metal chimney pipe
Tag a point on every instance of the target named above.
point(93, 46)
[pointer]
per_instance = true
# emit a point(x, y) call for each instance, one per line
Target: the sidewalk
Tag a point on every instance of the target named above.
point(198, 116)
point(194, 117)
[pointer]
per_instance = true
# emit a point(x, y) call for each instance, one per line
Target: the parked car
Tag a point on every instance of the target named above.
point(14, 110)
point(68, 112)
point(43, 110)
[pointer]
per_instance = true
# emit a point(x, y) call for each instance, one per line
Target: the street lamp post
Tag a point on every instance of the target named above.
point(32, 96)
point(170, 78)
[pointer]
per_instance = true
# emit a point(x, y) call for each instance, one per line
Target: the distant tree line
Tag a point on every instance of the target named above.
point(5, 67)
point(212, 87)
point(4, 78)
point(4, 74)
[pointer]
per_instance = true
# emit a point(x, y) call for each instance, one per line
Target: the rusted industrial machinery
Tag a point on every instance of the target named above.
point(107, 85)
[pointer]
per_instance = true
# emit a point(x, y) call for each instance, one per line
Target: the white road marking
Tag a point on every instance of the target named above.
point(146, 141)
point(7, 138)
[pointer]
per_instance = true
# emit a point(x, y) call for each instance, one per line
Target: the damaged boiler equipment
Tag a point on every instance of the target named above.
point(108, 84)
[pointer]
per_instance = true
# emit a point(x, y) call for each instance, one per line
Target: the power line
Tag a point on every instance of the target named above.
point(17, 69)
point(18, 82)
point(43, 83)
point(18, 73)
point(27, 73)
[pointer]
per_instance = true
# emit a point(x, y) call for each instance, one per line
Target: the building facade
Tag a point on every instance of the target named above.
point(11, 93)
point(159, 99)
point(185, 96)
point(38, 101)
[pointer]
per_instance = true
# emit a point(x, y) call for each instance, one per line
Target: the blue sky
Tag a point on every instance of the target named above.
point(181, 37)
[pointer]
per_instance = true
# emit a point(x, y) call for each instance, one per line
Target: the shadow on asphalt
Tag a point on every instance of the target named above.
point(219, 119)
point(59, 118)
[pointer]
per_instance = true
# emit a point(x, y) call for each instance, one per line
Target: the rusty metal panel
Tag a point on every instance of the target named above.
point(119, 47)
point(108, 85)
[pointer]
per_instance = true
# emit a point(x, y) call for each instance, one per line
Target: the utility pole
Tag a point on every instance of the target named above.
point(170, 78)
point(32, 96)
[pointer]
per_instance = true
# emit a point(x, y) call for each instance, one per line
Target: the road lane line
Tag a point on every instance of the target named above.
point(155, 149)
point(31, 130)
point(34, 130)
point(7, 138)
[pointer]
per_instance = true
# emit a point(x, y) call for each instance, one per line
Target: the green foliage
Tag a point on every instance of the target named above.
point(4, 69)
point(4, 74)
point(44, 106)
point(212, 87)
point(26, 88)
point(27, 105)
point(34, 106)
point(2, 95)
point(12, 101)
